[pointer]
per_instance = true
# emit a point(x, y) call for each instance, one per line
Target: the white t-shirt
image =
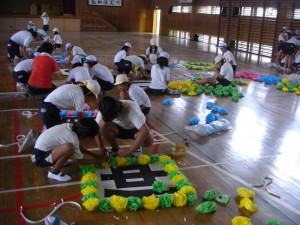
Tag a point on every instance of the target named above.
point(101, 72)
point(77, 51)
point(294, 41)
point(136, 61)
point(23, 38)
point(159, 50)
point(159, 77)
point(139, 96)
point(79, 74)
point(227, 71)
point(120, 55)
point(57, 39)
point(131, 116)
point(59, 135)
point(282, 37)
point(24, 65)
point(45, 20)
point(228, 56)
point(68, 96)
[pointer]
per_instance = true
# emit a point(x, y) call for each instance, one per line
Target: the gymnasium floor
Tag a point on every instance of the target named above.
point(262, 142)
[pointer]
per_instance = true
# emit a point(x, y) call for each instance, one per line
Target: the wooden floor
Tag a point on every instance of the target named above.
point(263, 142)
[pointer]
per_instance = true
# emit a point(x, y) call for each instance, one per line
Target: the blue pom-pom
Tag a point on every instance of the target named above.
point(167, 102)
point(62, 62)
point(214, 109)
point(89, 113)
point(209, 105)
point(223, 111)
point(65, 54)
point(63, 113)
point(75, 114)
point(211, 117)
point(194, 121)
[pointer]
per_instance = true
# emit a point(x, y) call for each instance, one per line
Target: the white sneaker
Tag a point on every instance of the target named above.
point(138, 152)
point(60, 176)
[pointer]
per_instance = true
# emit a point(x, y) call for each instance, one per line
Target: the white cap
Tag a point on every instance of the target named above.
point(76, 59)
point(285, 28)
point(30, 22)
point(218, 59)
point(128, 44)
point(153, 58)
point(41, 33)
point(152, 41)
point(68, 45)
point(94, 87)
point(91, 58)
point(55, 30)
point(164, 54)
point(44, 14)
point(121, 78)
point(223, 45)
point(36, 54)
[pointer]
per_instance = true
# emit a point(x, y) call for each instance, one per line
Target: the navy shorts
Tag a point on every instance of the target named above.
point(105, 85)
point(49, 114)
point(13, 50)
point(157, 91)
point(57, 46)
point(21, 76)
point(124, 66)
point(288, 48)
point(223, 81)
point(42, 158)
point(125, 133)
point(46, 28)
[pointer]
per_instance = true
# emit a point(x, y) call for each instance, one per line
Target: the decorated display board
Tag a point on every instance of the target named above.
point(105, 3)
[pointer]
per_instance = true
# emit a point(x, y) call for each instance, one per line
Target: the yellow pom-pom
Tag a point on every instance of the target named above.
point(183, 89)
point(187, 189)
point(89, 177)
point(105, 165)
point(248, 204)
point(178, 178)
point(192, 93)
point(295, 89)
point(150, 202)
point(170, 167)
point(121, 161)
point(285, 89)
point(241, 220)
point(91, 204)
point(163, 158)
point(245, 193)
point(299, 87)
point(285, 81)
point(180, 199)
point(143, 160)
point(177, 150)
point(119, 203)
point(88, 190)
point(297, 92)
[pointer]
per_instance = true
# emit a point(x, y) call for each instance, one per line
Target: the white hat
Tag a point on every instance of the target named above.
point(121, 78)
point(68, 45)
point(152, 41)
point(153, 58)
point(128, 44)
point(223, 45)
point(31, 22)
point(164, 54)
point(76, 59)
point(218, 59)
point(36, 54)
point(44, 14)
point(41, 33)
point(90, 58)
point(94, 87)
point(285, 28)
point(55, 30)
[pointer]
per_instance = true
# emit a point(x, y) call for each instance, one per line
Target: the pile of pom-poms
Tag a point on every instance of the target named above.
point(246, 196)
point(72, 113)
point(61, 59)
point(269, 79)
point(186, 194)
point(248, 74)
point(167, 102)
point(199, 66)
point(287, 86)
point(210, 128)
point(215, 109)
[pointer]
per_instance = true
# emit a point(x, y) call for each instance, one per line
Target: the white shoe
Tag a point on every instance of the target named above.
point(138, 152)
point(60, 176)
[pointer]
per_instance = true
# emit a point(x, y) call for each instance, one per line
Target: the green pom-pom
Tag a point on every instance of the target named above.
point(113, 163)
point(159, 186)
point(105, 206)
point(89, 183)
point(206, 207)
point(182, 183)
point(207, 91)
point(154, 158)
point(131, 160)
point(166, 162)
point(274, 222)
point(240, 95)
point(279, 86)
point(199, 91)
point(235, 98)
point(173, 173)
point(166, 200)
point(191, 198)
point(90, 195)
point(134, 203)
point(210, 194)
point(85, 169)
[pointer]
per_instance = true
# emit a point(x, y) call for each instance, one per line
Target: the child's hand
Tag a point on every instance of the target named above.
point(124, 152)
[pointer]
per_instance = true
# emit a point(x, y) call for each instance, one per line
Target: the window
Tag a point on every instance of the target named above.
point(208, 10)
point(297, 14)
point(246, 11)
point(186, 9)
point(176, 9)
point(259, 12)
point(271, 12)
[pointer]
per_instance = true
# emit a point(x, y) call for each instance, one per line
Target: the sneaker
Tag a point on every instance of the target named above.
point(60, 176)
point(113, 152)
point(138, 152)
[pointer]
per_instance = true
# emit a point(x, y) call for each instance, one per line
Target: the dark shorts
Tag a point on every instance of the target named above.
point(45, 28)
point(146, 110)
point(13, 50)
point(105, 85)
point(124, 66)
point(39, 91)
point(126, 134)
point(234, 67)
point(157, 91)
point(223, 81)
point(57, 46)
point(49, 114)
point(280, 45)
point(21, 76)
point(288, 48)
point(41, 158)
